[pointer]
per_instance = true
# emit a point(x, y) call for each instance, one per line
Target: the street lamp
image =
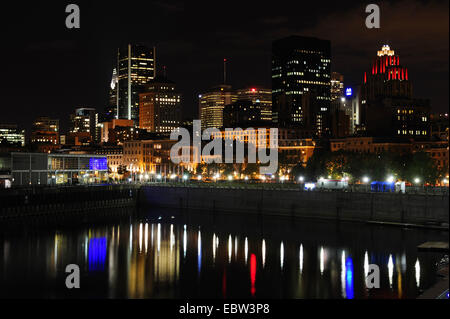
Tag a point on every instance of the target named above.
point(390, 179)
point(230, 177)
point(417, 180)
point(366, 179)
point(301, 179)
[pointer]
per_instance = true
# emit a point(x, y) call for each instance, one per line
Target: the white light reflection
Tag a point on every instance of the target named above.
point(417, 268)
point(131, 238)
point(158, 238)
point(282, 255)
point(172, 238)
point(246, 250)
point(263, 253)
point(343, 273)
point(140, 237)
point(301, 258)
point(184, 241)
point(391, 269)
point(322, 257)
point(230, 248)
point(214, 247)
point(366, 264)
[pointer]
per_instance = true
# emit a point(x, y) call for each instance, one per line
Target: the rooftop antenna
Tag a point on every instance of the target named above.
point(164, 71)
point(224, 71)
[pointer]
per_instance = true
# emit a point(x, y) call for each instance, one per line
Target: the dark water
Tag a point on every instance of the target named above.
point(162, 254)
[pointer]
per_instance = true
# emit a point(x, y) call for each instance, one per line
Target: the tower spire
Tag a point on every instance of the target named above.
point(224, 71)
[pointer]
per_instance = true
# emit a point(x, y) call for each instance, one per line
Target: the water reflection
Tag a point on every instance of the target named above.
point(123, 261)
point(391, 270)
point(417, 271)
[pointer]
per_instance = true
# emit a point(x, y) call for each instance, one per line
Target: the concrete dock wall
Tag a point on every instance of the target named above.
point(22, 203)
point(424, 210)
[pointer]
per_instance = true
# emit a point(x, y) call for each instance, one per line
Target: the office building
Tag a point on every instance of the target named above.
point(83, 126)
point(10, 134)
point(260, 97)
point(301, 75)
point(136, 66)
point(160, 106)
point(387, 104)
point(211, 104)
point(45, 131)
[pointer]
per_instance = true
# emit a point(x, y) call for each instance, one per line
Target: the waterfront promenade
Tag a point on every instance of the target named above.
point(417, 208)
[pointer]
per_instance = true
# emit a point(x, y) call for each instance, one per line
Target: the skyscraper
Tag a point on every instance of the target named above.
point(136, 66)
point(11, 134)
point(211, 104)
point(301, 65)
point(337, 86)
point(387, 104)
point(160, 106)
point(83, 124)
point(260, 97)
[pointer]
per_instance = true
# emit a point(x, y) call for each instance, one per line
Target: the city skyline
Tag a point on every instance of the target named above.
point(91, 50)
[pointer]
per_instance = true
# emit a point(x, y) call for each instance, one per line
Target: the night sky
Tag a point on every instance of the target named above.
point(48, 70)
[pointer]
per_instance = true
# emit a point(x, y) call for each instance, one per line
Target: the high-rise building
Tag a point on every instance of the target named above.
point(84, 125)
point(387, 104)
point(301, 68)
point(259, 97)
point(244, 114)
point(337, 86)
point(160, 106)
point(136, 66)
point(12, 135)
point(211, 104)
point(110, 111)
point(45, 130)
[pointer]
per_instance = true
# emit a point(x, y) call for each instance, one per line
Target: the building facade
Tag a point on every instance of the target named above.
point(301, 83)
point(211, 104)
point(387, 106)
point(12, 135)
point(136, 65)
point(260, 97)
point(160, 106)
point(56, 169)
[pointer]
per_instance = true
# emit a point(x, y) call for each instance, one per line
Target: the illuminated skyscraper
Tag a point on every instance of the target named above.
point(301, 67)
point(84, 125)
point(136, 66)
point(260, 97)
point(160, 107)
point(386, 102)
point(337, 86)
point(12, 135)
point(211, 104)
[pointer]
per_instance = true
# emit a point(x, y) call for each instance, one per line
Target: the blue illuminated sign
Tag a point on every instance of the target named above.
point(98, 164)
point(348, 92)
